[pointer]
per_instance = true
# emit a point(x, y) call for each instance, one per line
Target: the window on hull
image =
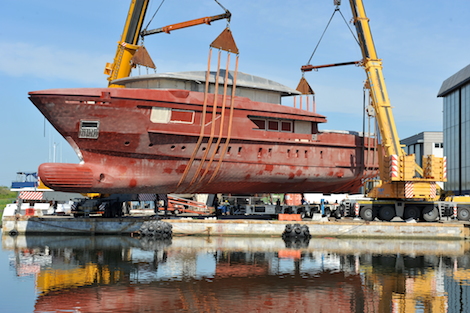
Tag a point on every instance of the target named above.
point(167, 115)
point(89, 129)
point(274, 125)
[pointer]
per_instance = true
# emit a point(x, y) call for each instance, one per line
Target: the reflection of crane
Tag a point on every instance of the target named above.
point(401, 293)
point(90, 273)
point(128, 47)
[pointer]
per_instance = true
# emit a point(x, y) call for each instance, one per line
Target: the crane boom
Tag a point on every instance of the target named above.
point(128, 45)
point(379, 95)
point(401, 177)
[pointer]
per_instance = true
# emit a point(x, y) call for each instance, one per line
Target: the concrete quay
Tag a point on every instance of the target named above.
point(336, 229)
point(238, 227)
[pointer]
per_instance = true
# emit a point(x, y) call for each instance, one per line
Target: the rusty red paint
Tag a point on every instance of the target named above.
point(269, 167)
point(122, 169)
point(159, 153)
point(180, 169)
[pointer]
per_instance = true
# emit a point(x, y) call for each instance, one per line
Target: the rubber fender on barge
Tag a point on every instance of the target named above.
point(156, 229)
point(296, 231)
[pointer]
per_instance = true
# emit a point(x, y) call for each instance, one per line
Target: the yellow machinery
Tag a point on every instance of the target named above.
point(128, 45)
point(129, 53)
point(405, 189)
point(401, 177)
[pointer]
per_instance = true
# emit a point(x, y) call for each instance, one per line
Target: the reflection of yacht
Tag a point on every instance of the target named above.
point(126, 273)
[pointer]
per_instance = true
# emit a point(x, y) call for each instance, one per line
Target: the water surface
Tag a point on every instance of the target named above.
point(226, 274)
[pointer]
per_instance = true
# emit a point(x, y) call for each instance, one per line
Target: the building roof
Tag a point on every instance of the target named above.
point(426, 136)
point(243, 80)
point(455, 81)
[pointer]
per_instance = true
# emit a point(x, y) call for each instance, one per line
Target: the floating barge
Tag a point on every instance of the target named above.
point(70, 225)
point(214, 227)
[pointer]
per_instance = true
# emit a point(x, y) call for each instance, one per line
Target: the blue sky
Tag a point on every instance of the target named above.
point(62, 44)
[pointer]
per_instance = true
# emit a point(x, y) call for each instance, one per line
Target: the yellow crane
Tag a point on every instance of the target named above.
point(128, 46)
point(405, 189)
point(401, 176)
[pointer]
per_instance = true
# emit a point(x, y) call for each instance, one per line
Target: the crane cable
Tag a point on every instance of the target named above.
point(337, 9)
point(156, 11)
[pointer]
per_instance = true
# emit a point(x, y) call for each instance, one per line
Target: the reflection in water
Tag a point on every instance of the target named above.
point(196, 274)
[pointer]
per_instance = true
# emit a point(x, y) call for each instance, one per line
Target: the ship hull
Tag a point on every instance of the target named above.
point(176, 141)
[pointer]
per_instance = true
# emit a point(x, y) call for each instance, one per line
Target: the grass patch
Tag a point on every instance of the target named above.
point(3, 204)
point(6, 196)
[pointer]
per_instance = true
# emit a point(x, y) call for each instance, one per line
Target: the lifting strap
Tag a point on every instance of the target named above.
point(226, 43)
point(306, 92)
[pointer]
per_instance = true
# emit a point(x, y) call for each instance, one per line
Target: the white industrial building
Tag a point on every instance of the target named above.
point(455, 92)
point(424, 143)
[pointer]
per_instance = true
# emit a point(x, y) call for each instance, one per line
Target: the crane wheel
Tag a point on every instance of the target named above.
point(387, 213)
point(411, 212)
point(430, 214)
point(463, 214)
point(367, 214)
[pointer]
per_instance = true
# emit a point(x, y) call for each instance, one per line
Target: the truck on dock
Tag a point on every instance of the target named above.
point(386, 209)
point(405, 189)
point(275, 204)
